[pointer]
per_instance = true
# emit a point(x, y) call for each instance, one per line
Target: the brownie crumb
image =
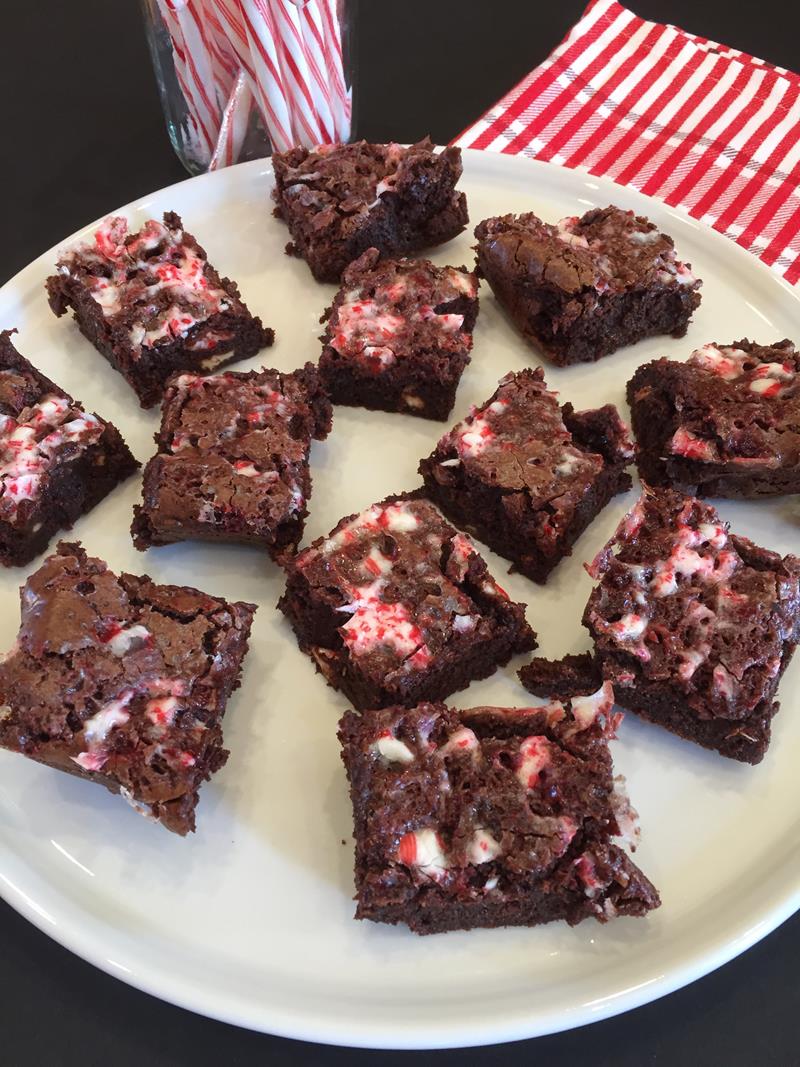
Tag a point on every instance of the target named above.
point(562, 679)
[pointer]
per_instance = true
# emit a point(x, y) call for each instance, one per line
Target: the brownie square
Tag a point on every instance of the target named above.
point(340, 200)
point(527, 476)
point(693, 625)
point(152, 304)
point(396, 607)
point(399, 335)
point(490, 816)
point(584, 287)
point(232, 462)
point(56, 460)
point(724, 423)
point(123, 682)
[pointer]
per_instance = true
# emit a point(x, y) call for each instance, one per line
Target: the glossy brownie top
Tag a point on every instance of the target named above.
point(233, 448)
point(155, 284)
point(519, 441)
point(337, 183)
point(607, 249)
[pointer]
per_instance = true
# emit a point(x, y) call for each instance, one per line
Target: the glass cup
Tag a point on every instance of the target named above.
point(218, 91)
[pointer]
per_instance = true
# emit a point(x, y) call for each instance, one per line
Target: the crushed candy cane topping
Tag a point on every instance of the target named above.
point(395, 610)
point(164, 699)
point(376, 323)
point(154, 277)
point(46, 433)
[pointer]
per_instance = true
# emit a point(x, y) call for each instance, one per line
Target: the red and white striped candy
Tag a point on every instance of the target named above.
point(283, 56)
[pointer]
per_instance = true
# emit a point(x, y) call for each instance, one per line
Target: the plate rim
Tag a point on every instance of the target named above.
point(172, 988)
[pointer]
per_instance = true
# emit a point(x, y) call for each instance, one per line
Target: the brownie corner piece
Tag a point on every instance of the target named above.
point(399, 335)
point(123, 682)
point(395, 606)
point(339, 200)
point(490, 817)
point(693, 625)
point(152, 304)
point(724, 423)
point(57, 461)
point(233, 459)
point(583, 287)
point(526, 475)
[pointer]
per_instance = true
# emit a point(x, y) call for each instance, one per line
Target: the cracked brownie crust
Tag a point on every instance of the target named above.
point(232, 462)
point(399, 335)
point(490, 816)
point(152, 304)
point(395, 607)
point(340, 200)
point(724, 423)
point(584, 287)
point(123, 682)
point(694, 625)
point(57, 461)
point(527, 476)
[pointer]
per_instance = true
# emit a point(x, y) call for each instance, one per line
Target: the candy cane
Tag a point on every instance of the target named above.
point(200, 115)
point(283, 55)
point(233, 128)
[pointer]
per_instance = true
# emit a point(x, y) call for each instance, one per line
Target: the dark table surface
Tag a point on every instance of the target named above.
point(83, 134)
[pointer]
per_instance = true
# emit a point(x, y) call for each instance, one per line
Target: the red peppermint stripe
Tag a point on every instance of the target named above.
point(697, 124)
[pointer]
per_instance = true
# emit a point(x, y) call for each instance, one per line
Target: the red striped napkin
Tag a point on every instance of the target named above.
point(695, 123)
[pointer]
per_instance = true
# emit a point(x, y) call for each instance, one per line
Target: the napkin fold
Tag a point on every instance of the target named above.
point(692, 122)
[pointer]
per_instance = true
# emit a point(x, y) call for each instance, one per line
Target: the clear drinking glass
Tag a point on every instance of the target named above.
point(182, 77)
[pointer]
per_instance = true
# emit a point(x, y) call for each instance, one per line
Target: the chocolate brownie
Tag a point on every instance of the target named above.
point(724, 423)
point(232, 462)
point(526, 476)
point(123, 682)
point(562, 679)
point(56, 460)
point(585, 287)
point(399, 335)
point(152, 304)
point(693, 625)
point(396, 607)
point(490, 816)
point(340, 200)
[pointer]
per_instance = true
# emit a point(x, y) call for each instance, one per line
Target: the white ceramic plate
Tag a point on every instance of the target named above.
point(250, 920)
